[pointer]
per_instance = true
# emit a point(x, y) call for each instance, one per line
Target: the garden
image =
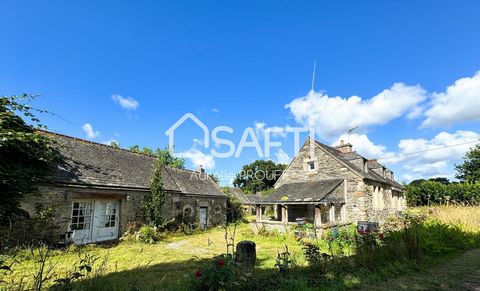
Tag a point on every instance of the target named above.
point(424, 239)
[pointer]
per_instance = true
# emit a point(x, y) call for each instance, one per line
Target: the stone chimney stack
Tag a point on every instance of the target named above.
point(344, 147)
point(201, 170)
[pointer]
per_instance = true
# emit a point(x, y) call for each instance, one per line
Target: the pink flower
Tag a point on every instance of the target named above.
point(381, 236)
point(360, 231)
point(198, 273)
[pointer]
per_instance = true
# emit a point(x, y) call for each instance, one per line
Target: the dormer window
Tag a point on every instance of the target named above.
point(311, 166)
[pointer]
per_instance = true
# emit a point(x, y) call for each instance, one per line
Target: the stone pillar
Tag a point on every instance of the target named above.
point(246, 254)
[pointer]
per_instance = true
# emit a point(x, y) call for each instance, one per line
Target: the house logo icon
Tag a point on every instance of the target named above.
point(171, 131)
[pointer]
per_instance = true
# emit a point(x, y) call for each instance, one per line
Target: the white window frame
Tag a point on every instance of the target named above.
point(309, 166)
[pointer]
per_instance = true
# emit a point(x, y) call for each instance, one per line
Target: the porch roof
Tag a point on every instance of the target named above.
point(307, 192)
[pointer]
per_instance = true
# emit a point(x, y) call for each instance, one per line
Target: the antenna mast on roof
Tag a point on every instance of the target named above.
point(349, 132)
point(313, 76)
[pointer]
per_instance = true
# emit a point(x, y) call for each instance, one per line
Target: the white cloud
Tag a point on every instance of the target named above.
point(128, 103)
point(282, 157)
point(274, 131)
point(110, 141)
point(332, 116)
point(198, 158)
point(216, 110)
point(460, 102)
point(364, 146)
point(436, 156)
point(88, 129)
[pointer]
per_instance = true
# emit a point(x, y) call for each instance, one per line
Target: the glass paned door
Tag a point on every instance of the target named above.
point(106, 220)
point(81, 221)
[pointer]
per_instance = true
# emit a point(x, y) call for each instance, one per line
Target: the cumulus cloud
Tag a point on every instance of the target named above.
point(332, 116)
point(275, 131)
point(282, 157)
point(110, 142)
point(434, 157)
point(89, 132)
point(198, 158)
point(364, 146)
point(460, 102)
point(128, 103)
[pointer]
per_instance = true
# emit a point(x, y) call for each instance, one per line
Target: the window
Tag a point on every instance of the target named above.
point(187, 212)
point(81, 215)
point(311, 166)
point(110, 212)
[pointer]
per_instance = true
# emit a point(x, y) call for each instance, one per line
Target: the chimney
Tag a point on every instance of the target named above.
point(344, 147)
point(201, 170)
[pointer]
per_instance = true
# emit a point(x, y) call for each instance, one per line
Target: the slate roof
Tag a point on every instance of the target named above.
point(346, 158)
point(316, 191)
point(88, 163)
point(246, 199)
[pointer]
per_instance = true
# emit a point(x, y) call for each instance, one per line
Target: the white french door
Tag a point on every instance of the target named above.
point(94, 220)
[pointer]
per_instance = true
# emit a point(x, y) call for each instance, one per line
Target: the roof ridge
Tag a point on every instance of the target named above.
point(94, 143)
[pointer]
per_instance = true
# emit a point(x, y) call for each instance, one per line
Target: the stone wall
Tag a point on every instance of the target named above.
point(327, 167)
point(60, 199)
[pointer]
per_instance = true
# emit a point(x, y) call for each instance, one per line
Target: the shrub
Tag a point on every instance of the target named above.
point(437, 193)
point(147, 234)
point(217, 274)
point(284, 261)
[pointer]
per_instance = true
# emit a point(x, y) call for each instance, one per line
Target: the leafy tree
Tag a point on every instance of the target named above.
point(168, 160)
point(258, 176)
point(214, 178)
point(25, 154)
point(234, 211)
point(152, 204)
point(163, 154)
point(469, 171)
point(442, 180)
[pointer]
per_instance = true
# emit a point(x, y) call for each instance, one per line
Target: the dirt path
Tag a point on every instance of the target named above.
point(462, 273)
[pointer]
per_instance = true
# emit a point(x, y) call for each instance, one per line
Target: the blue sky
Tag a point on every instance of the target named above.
point(249, 64)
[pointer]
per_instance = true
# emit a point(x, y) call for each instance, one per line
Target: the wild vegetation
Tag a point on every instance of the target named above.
point(340, 259)
point(441, 191)
point(25, 155)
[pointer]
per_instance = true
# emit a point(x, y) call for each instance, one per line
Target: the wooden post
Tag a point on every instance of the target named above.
point(284, 214)
point(318, 215)
point(258, 212)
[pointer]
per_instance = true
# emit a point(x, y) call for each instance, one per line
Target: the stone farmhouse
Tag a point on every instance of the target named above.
point(329, 186)
point(96, 190)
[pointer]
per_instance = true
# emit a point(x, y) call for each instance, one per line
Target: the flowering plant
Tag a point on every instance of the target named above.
point(216, 274)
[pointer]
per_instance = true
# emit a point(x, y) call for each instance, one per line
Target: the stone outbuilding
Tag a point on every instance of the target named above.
point(96, 190)
point(329, 186)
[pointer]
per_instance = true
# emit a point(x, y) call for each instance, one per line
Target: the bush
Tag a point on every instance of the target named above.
point(217, 274)
point(437, 193)
point(147, 234)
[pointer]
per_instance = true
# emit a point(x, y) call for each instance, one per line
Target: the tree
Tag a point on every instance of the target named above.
point(469, 171)
point(25, 154)
point(214, 178)
point(162, 154)
point(152, 204)
point(442, 180)
point(258, 176)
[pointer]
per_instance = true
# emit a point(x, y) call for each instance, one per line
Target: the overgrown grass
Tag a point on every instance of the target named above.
point(170, 264)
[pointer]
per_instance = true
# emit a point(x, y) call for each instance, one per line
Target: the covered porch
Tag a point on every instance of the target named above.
point(318, 214)
point(320, 203)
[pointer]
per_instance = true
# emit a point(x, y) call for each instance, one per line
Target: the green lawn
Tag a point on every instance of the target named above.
point(171, 263)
